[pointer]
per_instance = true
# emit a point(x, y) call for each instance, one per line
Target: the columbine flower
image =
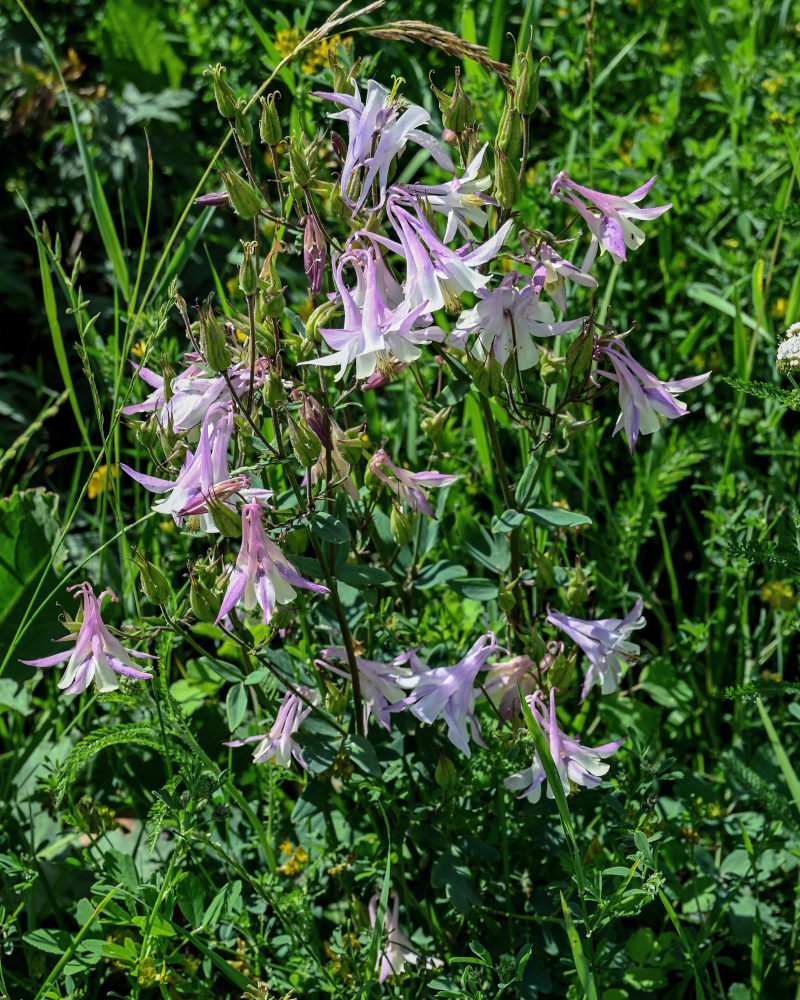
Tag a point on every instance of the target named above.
point(645, 401)
point(372, 327)
point(278, 744)
point(435, 274)
point(376, 135)
point(506, 319)
point(340, 467)
point(379, 681)
point(97, 656)
point(408, 486)
point(611, 225)
point(605, 642)
point(461, 200)
point(449, 693)
point(398, 950)
point(262, 574)
point(575, 763)
point(549, 271)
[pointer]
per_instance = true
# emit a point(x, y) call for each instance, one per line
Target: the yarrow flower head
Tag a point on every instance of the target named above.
point(449, 693)
point(645, 401)
point(506, 319)
point(96, 656)
point(605, 643)
point(398, 951)
point(575, 763)
point(788, 359)
point(410, 487)
point(278, 744)
point(609, 217)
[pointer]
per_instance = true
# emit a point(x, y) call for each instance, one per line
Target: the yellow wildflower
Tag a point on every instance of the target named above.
point(99, 481)
point(778, 594)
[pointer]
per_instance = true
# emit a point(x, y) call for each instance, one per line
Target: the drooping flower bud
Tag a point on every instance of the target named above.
point(305, 443)
point(242, 126)
point(339, 147)
point(509, 130)
point(245, 199)
point(456, 108)
point(223, 94)
point(506, 180)
point(248, 276)
point(298, 160)
point(445, 774)
point(269, 126)
point(315, 253)
point(154, 583)
point(214, 341)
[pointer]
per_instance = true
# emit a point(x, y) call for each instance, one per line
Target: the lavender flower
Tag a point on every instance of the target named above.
point(605, 642)
point(449, 693)
point(376, 135)
point(576, 764)
point(96, 656)
point(278, 744)
point(379, 681)
point(203, 475)
point(373, 327)
point(506, 319)
point(262, 573)
point(408, 486)
point(398, 950)
point(645, 401)
point(549, 271)
point(611, 225)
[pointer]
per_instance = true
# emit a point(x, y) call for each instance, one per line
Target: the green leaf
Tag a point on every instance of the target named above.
point(157, 925)
point(121, 868)
point(363, 755)
point(438, 573)
point(358, 575)
point(328, 527)
point(557, 517)
point(190, 896)
point(507, 521)
point(585, 976)
point(45, 939)
point(236, 705)
point(476, 588)
point(221, 905)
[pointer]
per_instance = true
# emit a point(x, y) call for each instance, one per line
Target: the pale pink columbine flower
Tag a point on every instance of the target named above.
point(605, 642)
point(374, 329)
point(96, 656)
point(461, 199)
point(575, 763)
point(262, 574)
point(377, 133)
point(278, 744)
point(506, 320)
point(550, 272)
point(379, 681)
point(503, 680)
point(398, 951)
point(193, 393)
point(645, 401)
point(611, 223)
point(449, 693)
point(340, 467)
point(408, 486)
point(204, 475)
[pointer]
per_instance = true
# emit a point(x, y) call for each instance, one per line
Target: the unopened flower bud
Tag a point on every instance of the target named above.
point(224, 517)
point(550, 367)
point(456, 108)
point(506, 180)
point(402, 525)
point(245, 199)
point(273, 391)
point(223, 94)
point(168, 373)
point(204, 602)
point(526, 81)
point(305, 443)
point(269, 126)
point(509, 130)
point(248, 276)
point(434, 423)
point(298, 161)
point(350, 444)
point(321, 316)
point(487, 376)
point(545, 572)
point(506, 599)
point(214, 342)
point(445, 774)
point(271, 299)
point(578, 587)
point(339, 147)
point(315, 253)
point(579, 353)
point(450, 137)
point(242, 126)
point(154, 583)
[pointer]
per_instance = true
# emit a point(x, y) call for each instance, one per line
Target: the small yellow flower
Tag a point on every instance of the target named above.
point(301, 855)
point(778, 594)
point(732, 243)
point(778, 309)
point(287, 847)
point(772, 84)
point(139, 348)
point(99, 481)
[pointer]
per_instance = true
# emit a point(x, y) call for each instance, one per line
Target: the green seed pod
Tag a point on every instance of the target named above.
point(248, 276)
point(298, 161)
point(305, 443)
point(214, 341)
point(204, 603)
point(225, 518)
point(242, 126)
point(350, 445)
point(526, 82)
point(579, 353)
point(148, 432)
point(245, 199)
point(402, 525)
point(273, 391)
point(578, 587)
point(154, 583)
point(488, 376)
point(269, 127)
point(321, 316)
point(545, 574)
point(169, 374)
point(271, 299)
point(456, 108)
point(445, 774)
point(509, 130)
point(506, 599)
point(434, 423)
point(506, 179)
point(550, 367)
point(224, 95)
